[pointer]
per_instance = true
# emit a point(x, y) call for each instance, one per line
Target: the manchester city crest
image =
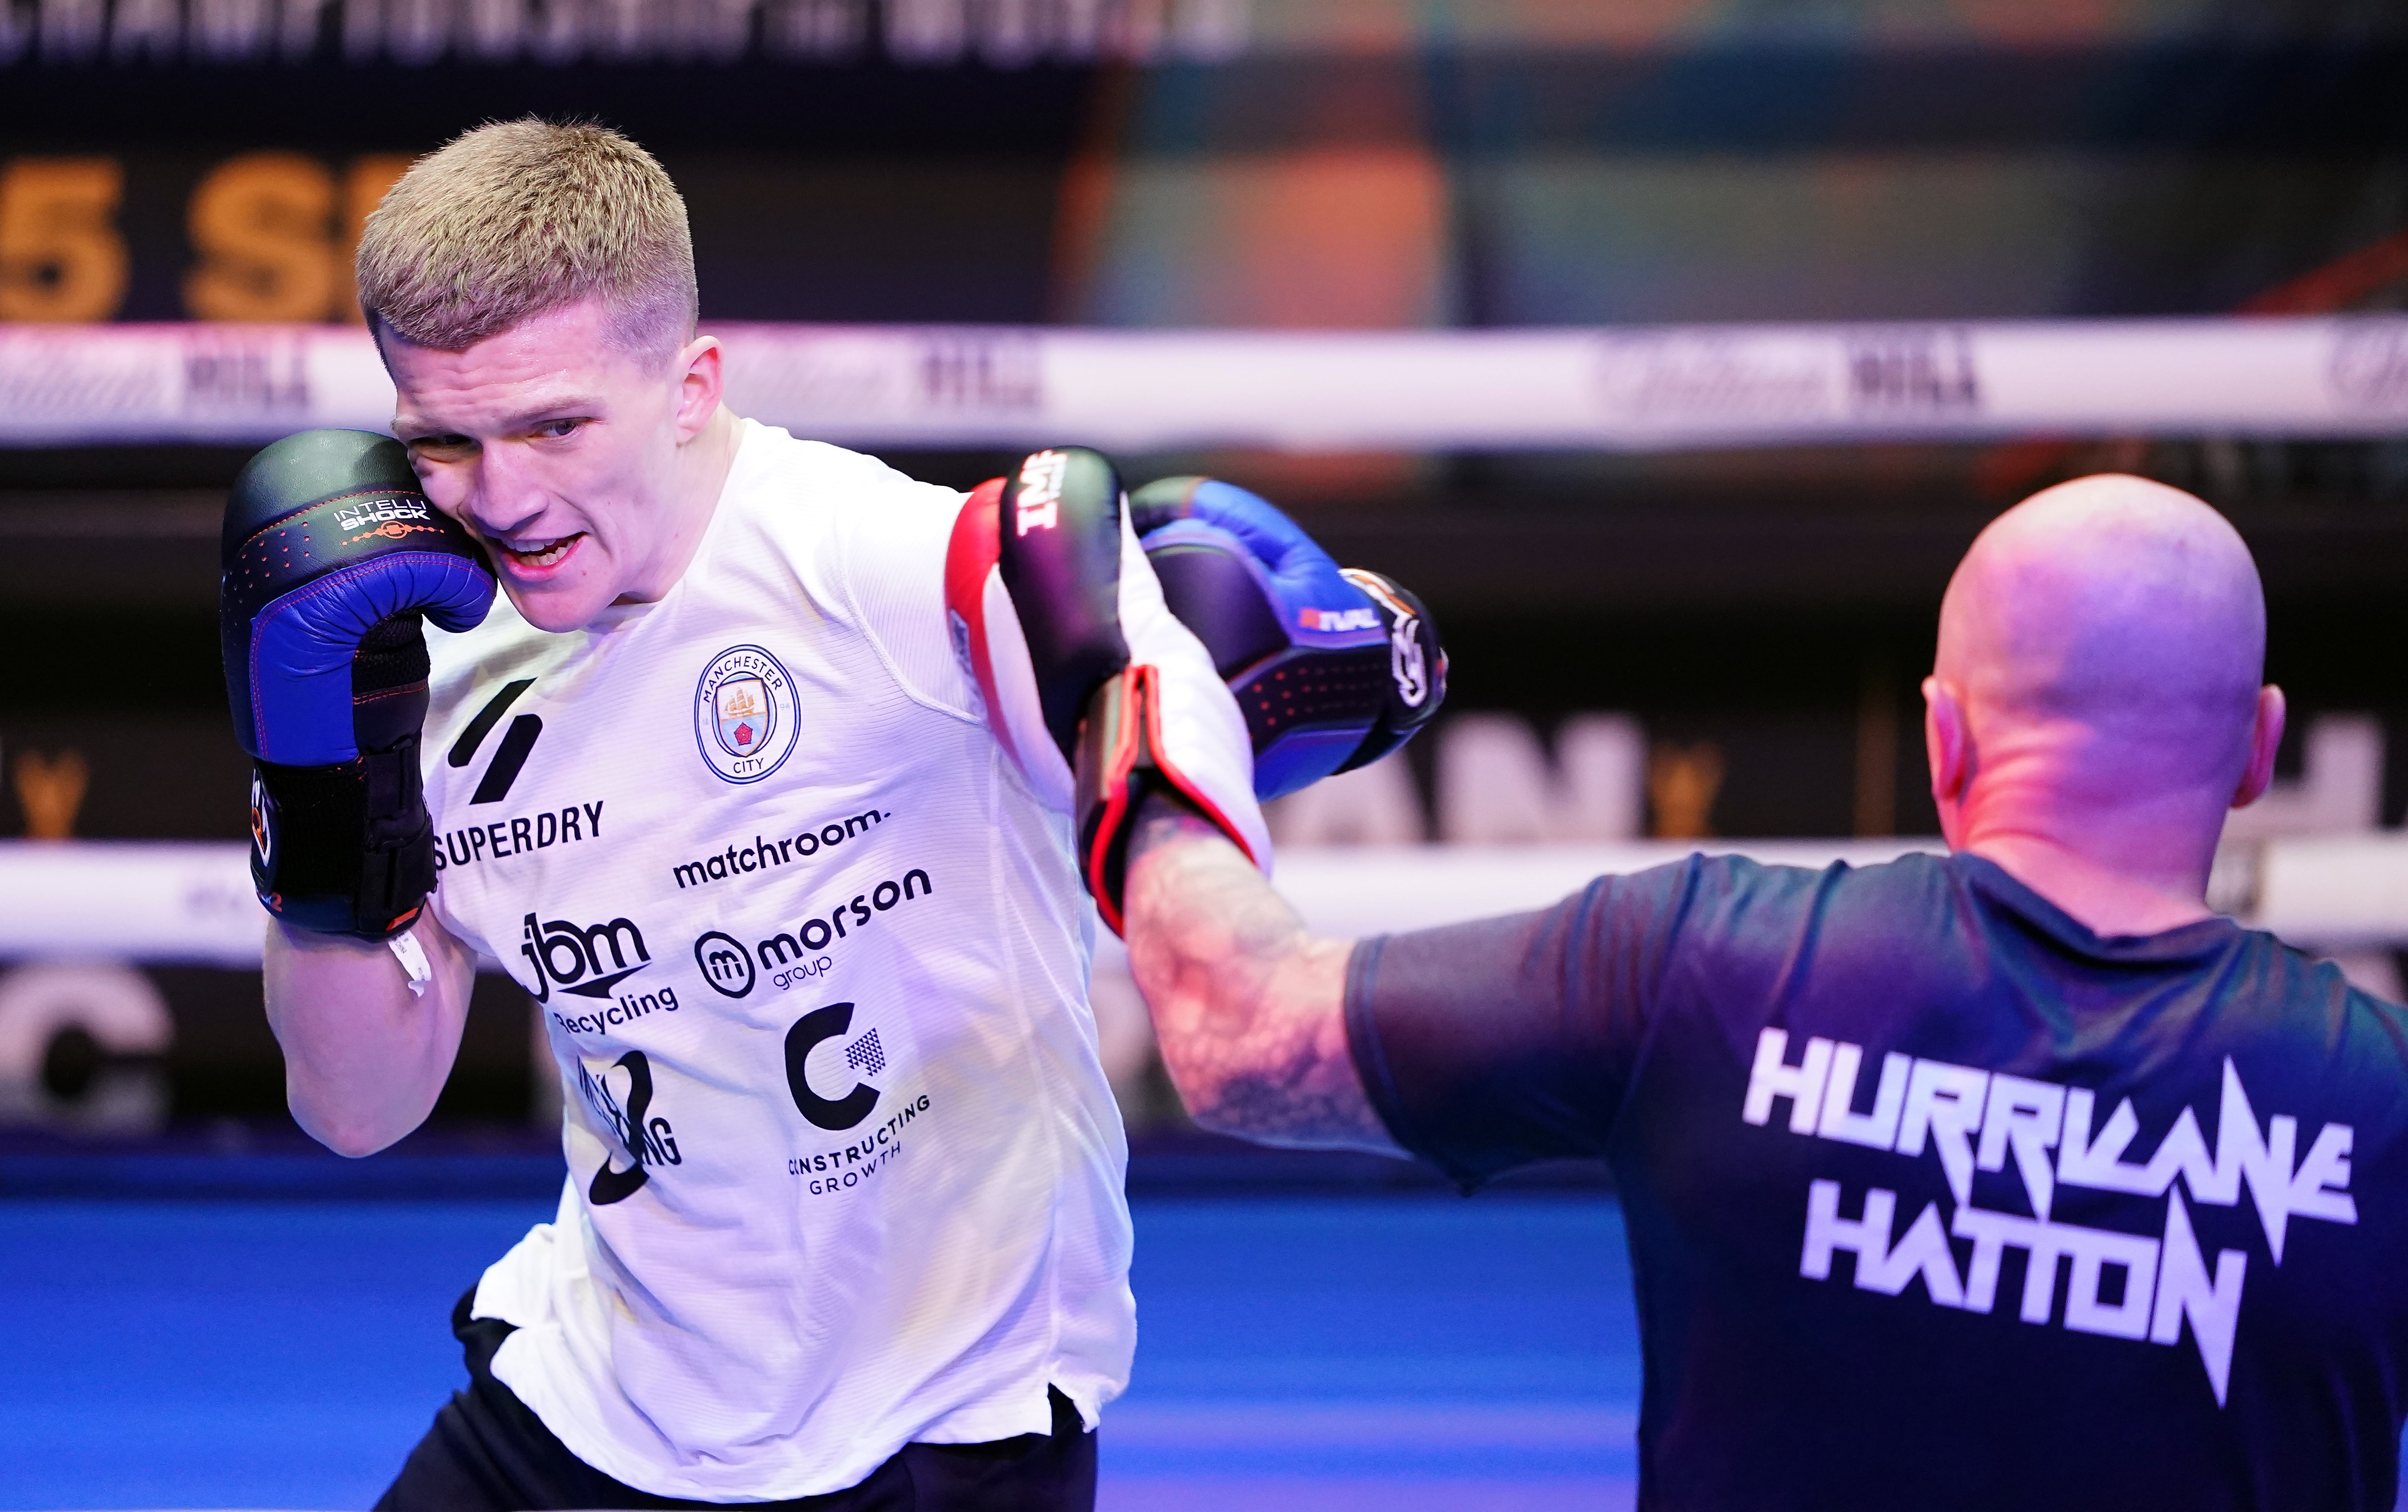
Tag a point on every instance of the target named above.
point(744, 717)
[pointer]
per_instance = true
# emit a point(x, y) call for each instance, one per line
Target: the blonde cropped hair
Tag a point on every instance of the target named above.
point(520, 218)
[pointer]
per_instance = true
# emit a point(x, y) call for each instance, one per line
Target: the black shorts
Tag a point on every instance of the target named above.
point(487, 1452)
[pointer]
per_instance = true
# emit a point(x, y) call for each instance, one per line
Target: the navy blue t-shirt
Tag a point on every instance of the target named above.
point(1936, 1198)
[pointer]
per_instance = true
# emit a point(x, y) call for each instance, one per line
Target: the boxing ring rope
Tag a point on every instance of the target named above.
point(1631, 388)
point(190, 903)
point(1654, 388)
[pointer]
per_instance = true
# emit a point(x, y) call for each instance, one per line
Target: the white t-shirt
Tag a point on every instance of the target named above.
point(845, 1169)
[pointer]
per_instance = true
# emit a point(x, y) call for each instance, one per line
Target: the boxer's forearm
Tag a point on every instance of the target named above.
point(364, 1057)
point(1247, 1005)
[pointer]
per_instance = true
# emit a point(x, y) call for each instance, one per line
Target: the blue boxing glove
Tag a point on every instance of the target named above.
point(331, 557)
point(1334, 667)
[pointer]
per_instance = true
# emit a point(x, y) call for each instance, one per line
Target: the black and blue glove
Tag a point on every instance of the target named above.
point(1334, 667)
point(331, 558)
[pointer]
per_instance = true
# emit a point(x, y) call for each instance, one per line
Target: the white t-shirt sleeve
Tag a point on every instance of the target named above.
point(889, 571)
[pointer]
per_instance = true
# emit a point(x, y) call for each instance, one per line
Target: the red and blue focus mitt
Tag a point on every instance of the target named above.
point(1333, 667)
point(1095, 691)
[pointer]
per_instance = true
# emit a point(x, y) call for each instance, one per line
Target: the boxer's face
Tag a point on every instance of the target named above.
point(560, 451)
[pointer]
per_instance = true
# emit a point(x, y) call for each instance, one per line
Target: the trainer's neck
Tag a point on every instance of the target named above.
point(2126, 872)
point(702, 467)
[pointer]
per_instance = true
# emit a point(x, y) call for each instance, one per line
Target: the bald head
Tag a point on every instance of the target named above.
point(2120, 615)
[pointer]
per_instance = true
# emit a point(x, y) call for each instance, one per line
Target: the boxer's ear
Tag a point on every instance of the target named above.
point(700, 371)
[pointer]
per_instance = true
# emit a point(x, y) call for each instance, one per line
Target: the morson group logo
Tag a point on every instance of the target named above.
point(745, 720)
point(586, 961)
point(793, 956)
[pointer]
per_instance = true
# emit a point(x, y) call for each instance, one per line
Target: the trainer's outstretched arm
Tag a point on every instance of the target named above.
point(1248, 1006)
point(364, 1058)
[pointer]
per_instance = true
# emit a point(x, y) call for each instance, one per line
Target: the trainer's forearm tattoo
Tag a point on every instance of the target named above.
point(1248, 1006)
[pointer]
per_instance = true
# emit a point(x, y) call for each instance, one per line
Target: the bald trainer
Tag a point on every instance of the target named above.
point(2013, 1178)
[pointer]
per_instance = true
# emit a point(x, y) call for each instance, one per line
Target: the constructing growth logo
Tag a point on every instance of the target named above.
point(744, 717)
point(865, 1057)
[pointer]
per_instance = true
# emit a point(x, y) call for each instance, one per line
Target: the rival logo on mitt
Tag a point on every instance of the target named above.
point(1332, 620)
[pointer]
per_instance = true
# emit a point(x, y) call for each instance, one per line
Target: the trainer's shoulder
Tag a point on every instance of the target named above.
point(1729, 887)
point(1736, 924)
point(2272, 990)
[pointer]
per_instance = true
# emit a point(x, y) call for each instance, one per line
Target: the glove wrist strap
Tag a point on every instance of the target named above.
point(1120, 761)
point(347, 849)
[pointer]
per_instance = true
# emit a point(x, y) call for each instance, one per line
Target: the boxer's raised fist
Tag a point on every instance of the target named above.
point(331, 556)
point(1333, 667)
